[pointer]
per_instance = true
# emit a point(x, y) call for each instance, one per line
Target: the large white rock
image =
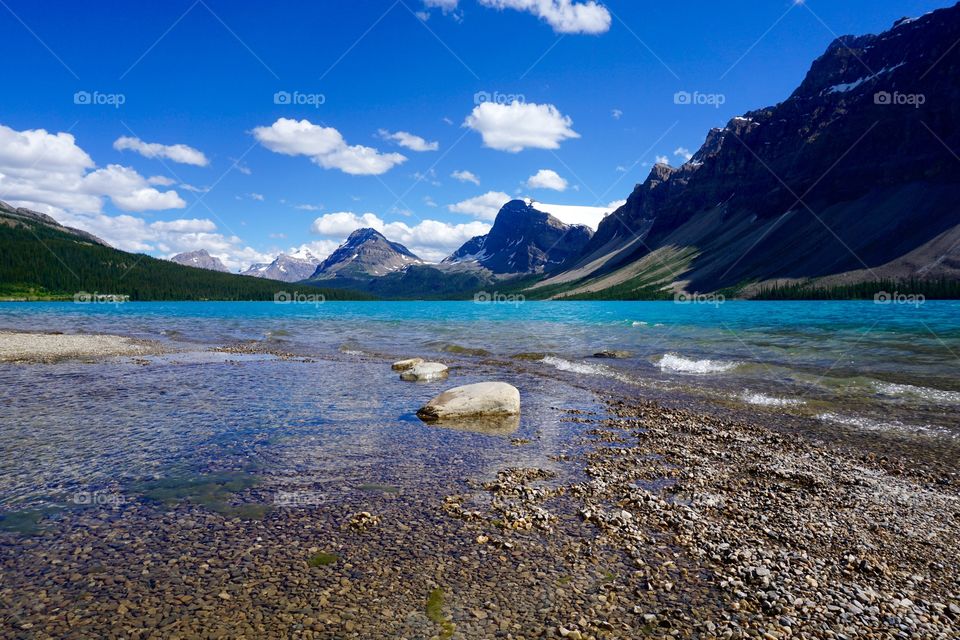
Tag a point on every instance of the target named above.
point(404, 365)
point(425, 372)
point(472, 400)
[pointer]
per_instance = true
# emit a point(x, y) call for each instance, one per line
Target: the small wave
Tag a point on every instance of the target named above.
point(639, 323)
point(869, 424)
point(576, 367)
point(586, 369)
point(768, 401)
point(936, 396)
point(678, 364)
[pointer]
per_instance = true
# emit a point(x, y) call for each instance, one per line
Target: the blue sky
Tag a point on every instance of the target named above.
point(568, 103)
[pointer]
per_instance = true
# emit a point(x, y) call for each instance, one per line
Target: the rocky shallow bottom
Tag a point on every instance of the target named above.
point(669, 523)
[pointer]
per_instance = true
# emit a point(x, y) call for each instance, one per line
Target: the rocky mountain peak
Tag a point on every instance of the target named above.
point(523, 240)
point(365, 253)
point(200, 259)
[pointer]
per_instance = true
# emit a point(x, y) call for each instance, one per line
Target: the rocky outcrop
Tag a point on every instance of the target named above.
point(523, 240)
point(201, 260)
point(478, 400)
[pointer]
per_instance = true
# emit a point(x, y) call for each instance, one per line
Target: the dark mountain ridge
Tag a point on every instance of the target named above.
point(850, 173)
point(523, 240)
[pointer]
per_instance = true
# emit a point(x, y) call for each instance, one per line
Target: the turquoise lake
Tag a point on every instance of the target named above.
point(336, 417)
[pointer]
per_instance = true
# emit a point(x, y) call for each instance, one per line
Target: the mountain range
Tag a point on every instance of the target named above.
point(292, 267)
point(853, 179)
point(852, 182)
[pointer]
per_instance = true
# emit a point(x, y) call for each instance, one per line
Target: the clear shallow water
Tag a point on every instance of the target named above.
point(341, 420)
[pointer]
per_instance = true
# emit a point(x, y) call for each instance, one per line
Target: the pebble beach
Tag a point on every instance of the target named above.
point(648, 521)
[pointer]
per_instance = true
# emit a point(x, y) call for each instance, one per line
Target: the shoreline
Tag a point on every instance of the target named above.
point(666, 520)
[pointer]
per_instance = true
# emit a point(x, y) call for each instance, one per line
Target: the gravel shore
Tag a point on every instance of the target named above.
point(53, 347)
point(659, 523)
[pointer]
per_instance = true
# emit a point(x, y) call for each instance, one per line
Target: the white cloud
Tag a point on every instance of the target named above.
point(432, 240)
point(184, 225)
point(547, 179)
point(307, 207)
point(409, 141)
point(565, 16)
point(683, 152)
point(129, 190)
point(239, 166)
point(176, 152)
point(50, 173)
point(662, 160)
point(466, 176)
point(575, 214)
point(325, 146)
point(484, 207)
point(445, 5)
point(190, 187)
point(342, 223)
point(161, 181)
point(516, 126)
point(448, 7)
point(616, 114)
point(256, 196)
point(430, 176)
point(166, 237)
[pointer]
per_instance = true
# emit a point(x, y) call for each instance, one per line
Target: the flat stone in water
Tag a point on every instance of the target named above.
point(481, 399)
point(425, 372)
point(404, 365)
